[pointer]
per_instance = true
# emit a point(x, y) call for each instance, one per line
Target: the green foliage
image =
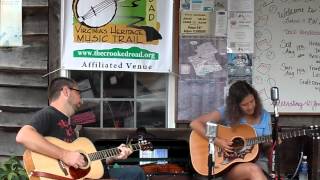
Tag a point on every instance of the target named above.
point(12, 169)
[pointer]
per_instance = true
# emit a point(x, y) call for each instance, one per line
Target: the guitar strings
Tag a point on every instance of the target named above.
point(110, 152)
point(97, 9)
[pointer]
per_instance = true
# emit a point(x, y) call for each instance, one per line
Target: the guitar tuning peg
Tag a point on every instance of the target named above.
point(140, 137)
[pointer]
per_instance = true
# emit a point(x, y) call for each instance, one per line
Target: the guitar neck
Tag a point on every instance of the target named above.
point(282, 136)
point(103, 154)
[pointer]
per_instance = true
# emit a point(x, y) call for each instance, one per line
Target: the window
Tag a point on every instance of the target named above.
point(122, 99)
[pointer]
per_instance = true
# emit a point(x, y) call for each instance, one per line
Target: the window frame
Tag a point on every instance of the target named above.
point(169, 99)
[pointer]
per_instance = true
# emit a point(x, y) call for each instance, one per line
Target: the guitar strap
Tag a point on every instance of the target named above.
point(48, 175)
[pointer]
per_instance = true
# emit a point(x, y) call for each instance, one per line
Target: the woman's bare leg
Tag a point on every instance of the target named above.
point(246, 171)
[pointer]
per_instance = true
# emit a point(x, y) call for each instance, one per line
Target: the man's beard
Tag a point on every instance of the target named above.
point(76, 107)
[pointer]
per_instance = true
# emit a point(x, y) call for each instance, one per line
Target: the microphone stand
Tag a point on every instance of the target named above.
point(275, 168)
point(211, 158)
point(211, 134)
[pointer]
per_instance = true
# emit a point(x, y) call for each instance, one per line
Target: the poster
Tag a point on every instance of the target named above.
point(197, 5)
point(240, 67)
point(221, 24)
point(202, 76)
point(117, 35)
point(194, 23)
point(240, 26)
point(10, 23)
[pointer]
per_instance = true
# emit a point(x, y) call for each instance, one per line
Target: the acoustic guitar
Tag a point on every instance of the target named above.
point(245, 145)
point(40, 167)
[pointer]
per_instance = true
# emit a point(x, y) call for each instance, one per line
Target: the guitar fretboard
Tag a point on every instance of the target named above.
point(110, 152)
point(282, 136)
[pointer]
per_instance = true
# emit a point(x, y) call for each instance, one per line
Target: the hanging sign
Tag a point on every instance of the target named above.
point(121, 35)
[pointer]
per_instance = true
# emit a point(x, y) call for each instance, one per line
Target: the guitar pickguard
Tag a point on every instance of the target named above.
point(63, 168)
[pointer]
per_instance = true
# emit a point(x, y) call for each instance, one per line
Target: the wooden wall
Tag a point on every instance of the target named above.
point(22, 87)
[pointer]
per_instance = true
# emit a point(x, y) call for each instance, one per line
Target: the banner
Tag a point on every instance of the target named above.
point(117, 35)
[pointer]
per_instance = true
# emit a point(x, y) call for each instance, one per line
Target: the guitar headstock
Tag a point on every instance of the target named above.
point(313, 131)
point(145, 145)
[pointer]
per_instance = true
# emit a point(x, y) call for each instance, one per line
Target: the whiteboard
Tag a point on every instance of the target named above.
point(287, 54)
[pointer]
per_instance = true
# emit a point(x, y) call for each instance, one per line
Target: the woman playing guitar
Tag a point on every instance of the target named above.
point(243, 106)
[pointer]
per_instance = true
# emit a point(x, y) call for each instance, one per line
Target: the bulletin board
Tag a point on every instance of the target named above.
point(287, 54)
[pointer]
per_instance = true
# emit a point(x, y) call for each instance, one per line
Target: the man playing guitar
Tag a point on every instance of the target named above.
point(54, 121)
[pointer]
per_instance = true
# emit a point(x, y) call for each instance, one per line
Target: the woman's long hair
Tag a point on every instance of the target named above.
point(237, 92)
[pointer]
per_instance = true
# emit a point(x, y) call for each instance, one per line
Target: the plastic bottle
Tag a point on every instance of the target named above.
point(303, 174)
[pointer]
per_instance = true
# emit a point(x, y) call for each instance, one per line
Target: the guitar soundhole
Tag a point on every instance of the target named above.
point(237, 144)
point(85, 159)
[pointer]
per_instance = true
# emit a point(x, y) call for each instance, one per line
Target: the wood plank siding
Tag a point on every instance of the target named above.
point(23, 90)
point(24, 58)
point(9, 148)
point(54, 37)
point(35, 3)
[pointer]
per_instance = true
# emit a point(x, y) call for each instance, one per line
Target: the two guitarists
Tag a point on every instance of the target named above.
point(54, 121)
point(243, 106)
